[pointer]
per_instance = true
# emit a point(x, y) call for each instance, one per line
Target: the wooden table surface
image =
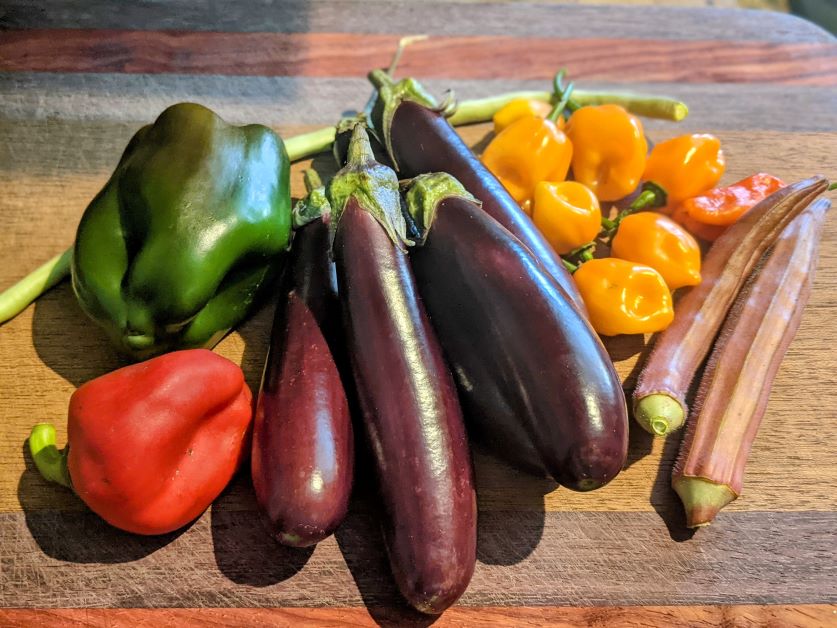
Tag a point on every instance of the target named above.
point(78, 78)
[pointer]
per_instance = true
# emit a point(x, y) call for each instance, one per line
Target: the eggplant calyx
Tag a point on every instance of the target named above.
point(423, 195)
point(390, 95)
point(373, 185)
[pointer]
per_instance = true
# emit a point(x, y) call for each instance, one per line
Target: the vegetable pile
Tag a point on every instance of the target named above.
point(453, 296)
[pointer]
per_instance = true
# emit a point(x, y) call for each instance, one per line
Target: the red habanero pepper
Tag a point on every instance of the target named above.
point(151, 445)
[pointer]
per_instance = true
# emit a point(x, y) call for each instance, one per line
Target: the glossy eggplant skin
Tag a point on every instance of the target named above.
point(412, 416)
point(423, 141)
point(537, 385)
point(303, 448)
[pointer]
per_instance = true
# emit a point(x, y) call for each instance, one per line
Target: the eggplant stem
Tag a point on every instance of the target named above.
point(659, 414)
point(17, 298)
point(702, 499)
point(50, 462)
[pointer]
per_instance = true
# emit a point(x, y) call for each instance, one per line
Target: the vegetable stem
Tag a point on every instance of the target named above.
point(51, 463)
point(702, 499)
point(649, 106)
point(659, 414)
point(15, 299)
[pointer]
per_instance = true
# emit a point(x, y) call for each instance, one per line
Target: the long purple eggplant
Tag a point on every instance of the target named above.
point(411, 411)
point(536, 383)
point(303, 447)
point(420, 140)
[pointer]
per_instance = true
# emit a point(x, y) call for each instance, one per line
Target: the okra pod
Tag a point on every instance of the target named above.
point(736, 383)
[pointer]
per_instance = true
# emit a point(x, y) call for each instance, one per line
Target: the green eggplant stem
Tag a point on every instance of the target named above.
point(659, 414)
point(646, 105)
point(702, 499)
point(16, 299)
point(51, 463)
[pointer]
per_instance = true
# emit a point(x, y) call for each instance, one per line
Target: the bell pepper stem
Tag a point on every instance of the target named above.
point(50, 462)
point(702, 499)
point(15, 299)
point(659, 414)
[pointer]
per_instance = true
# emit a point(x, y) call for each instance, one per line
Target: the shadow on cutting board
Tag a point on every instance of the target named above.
point(80, 536)
point(245, 552)
point(69, 342)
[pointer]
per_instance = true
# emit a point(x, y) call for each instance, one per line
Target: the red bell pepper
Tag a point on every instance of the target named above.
point(151, 445)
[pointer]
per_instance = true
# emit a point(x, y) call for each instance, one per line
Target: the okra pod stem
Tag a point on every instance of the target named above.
point(735, 386)
point(660, 395)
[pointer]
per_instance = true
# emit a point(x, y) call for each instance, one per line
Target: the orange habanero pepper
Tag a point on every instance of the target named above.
point(609, 150)
point(521, 108)
point(724, 206)
point(623, 297)
point(659, 242)
point(685, 166)
point(527, 152)
point(567, 214)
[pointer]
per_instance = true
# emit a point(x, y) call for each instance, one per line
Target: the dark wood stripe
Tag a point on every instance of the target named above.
point(335, 54)
point(225, 559)
point(434, 18)
point(800, 616)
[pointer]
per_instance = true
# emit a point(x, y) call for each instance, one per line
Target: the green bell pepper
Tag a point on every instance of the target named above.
point(186, 235)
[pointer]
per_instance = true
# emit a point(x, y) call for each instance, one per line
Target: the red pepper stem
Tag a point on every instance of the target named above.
point(51, 463)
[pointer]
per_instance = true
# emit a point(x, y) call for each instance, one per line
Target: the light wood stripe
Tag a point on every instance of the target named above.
point(799, 616)
point(347, 54)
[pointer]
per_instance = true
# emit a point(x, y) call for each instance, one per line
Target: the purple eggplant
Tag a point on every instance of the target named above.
point(408, 398)
point(303, 447)
point(536, 383)
point(420, 140)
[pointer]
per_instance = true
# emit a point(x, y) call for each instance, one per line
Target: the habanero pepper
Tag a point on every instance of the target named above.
point(686, 165)
point(609, 150)
point(623, 297)
point(659, 242)
point(567, 214)
point(528, 151)
point(724, 206)
point(522, 108)
point(151, 445)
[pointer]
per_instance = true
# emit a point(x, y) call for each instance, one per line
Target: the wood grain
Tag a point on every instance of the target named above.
point(347, 54)
point(74, 560)
point(800, 616)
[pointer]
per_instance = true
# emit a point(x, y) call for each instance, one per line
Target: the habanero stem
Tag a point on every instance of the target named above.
point(18, 297)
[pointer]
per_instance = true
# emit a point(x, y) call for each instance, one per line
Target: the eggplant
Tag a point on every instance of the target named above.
point(303, 447)
point(536, 383)
point(409, 404)
point(421, 140)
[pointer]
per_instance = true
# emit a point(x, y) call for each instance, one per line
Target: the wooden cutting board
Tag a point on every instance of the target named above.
point(78, 78)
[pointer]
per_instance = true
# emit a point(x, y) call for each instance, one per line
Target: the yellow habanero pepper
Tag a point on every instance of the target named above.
point(528, 151)
point(659, 242)
point(609, 150)
point(685, 166)
point(567, 214)
point(521, 108)
point(623, 297)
